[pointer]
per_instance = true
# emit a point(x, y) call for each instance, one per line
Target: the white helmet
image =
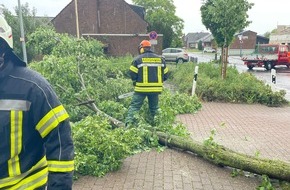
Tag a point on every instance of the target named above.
point(5, 31)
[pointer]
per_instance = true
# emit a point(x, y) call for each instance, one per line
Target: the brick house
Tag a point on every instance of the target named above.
point(117, 24)
point(245, 43)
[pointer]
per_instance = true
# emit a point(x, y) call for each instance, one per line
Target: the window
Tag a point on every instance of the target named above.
point(166, 51)
point(173, 51)
point(267, 49)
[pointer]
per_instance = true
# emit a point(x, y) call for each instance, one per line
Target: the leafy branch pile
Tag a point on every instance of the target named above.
point(236, 88)
point(80, 73)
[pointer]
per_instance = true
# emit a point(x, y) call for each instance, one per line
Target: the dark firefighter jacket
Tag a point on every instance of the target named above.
point(148, 71)
point(35, 136)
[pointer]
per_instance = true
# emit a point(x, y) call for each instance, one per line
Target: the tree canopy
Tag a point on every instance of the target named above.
point(161, 17)
point(224, 18)
point(30, 23)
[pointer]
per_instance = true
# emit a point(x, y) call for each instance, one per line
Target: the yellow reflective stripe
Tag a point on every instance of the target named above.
point(165, 70)
point(16, 143)
point(60, 166)
point(14, 166)
point(134, 69)
point(159, 75)
point(151, 60)
point(145, 75)
point(148, 89)
point(14, 180)
point(149, 84)
point(51, 120)
point(36, 180)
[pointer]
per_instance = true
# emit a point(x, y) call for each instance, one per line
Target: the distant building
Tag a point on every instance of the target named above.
point(281, 35)
point(245, 42)
point(207, 41)
point(191, 40)
point(117, 24)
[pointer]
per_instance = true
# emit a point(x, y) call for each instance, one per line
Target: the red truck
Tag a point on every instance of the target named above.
point(268, 56)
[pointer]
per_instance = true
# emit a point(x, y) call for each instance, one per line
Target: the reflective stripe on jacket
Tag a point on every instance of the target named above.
point(35, 135)
point(148, 71)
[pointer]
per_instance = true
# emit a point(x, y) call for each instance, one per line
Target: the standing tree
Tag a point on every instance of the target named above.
point(200, 47)
point(161, 17)
point(224, 18)
point(268, 34)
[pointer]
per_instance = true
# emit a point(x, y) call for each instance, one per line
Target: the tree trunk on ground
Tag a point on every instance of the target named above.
point(226, 157)
point(218, 154)
point(212, 152)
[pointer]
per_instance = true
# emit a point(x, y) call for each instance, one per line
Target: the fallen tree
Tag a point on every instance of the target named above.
point(218, 154)
point(222, 156)
point(212, 152)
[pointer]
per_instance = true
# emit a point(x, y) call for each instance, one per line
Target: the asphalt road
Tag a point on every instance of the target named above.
point(282, 72)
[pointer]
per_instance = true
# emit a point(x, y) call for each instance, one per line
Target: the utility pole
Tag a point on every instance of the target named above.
point(77, 19)
point(22, 38)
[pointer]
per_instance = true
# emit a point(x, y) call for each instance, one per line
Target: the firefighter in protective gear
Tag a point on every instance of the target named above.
point(36, 148)
point(148, 71)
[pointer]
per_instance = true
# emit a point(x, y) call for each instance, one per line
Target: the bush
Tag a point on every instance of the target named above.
point(236, 88)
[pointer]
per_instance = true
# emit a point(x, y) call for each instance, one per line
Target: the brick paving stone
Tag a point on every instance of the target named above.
point(249, 129)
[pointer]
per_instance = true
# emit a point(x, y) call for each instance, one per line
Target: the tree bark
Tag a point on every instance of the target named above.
point(220, 155)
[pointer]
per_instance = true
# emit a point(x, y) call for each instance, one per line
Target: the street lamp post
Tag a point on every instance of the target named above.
point(22, 38)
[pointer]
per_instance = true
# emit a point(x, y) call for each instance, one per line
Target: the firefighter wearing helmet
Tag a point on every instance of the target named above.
point(148, 71)
point(36, 149)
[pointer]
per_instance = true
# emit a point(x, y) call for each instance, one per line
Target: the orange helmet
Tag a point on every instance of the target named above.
point(145, 43)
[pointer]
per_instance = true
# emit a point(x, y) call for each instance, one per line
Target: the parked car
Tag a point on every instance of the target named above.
point(209, 50)
point(177, 55)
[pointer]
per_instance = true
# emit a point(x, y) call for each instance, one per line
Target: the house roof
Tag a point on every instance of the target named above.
point(245, 31)
point(196, 36)
point(62, 10)
point(139, 10)
point(258, 36)
point(207, 38)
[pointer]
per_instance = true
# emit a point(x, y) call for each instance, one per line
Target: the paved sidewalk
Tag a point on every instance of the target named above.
point(250, 129)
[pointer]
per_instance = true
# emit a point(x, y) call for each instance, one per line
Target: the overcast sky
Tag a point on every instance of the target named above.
point(265, 15)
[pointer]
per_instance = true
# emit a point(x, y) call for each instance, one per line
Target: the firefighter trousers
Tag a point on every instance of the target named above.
point(137, 102)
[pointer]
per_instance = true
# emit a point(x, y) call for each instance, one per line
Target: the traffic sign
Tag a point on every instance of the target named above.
point(153, 42)
point(153, 35)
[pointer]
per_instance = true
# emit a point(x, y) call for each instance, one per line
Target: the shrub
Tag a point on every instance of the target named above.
point(237, 87)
